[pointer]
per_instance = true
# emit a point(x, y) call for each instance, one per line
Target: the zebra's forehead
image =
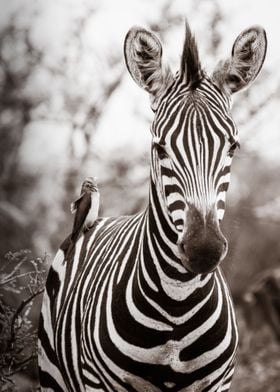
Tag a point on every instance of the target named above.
point(204, 110)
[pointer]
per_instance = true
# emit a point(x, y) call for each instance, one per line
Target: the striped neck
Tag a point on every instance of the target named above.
point(160, 284)
point(160, 250)
point(160, 225)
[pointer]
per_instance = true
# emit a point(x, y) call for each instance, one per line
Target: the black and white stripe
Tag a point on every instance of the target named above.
point(143, 307)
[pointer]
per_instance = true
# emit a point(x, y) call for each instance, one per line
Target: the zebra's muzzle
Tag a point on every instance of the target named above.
point(202, 246)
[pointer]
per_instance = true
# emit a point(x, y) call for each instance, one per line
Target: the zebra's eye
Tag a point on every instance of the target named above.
point(162, 154)
point(233, 147)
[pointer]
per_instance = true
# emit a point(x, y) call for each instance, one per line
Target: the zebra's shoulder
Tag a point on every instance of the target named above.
point(106, 223)
point(117, 222)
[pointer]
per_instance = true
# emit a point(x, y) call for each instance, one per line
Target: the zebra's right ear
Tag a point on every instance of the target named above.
point(143, 56)
point(247, 57)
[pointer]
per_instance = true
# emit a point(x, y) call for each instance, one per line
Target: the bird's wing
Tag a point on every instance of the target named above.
point(75, 204)
point(83, 207)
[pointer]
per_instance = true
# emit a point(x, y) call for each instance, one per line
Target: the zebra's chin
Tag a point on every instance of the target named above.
point(204, 258)
point(198, 265)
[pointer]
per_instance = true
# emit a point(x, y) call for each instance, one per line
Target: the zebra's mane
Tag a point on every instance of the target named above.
point(190, 63)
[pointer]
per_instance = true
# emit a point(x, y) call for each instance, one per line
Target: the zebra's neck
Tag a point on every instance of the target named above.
point(160, 227)
point(160, 268)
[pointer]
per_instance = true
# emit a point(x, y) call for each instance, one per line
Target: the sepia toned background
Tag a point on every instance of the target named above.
point(69, 109)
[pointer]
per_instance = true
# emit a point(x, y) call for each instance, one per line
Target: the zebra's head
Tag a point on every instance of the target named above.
point(194, 136)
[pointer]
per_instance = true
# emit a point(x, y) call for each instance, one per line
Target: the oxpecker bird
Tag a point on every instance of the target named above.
point(86, 207)
point(86, 211)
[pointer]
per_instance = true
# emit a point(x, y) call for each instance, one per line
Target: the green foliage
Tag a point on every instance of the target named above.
point(21, 282)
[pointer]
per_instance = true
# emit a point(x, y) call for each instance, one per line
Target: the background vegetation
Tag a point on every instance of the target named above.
point(68, 109)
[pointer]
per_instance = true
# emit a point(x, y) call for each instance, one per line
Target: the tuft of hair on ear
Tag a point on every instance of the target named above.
point(143, 56)
point(148, 57)
point(247, 57)
point(190, 63)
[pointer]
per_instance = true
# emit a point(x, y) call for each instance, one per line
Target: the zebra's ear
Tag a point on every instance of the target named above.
point(247, 57)
point(143, 56)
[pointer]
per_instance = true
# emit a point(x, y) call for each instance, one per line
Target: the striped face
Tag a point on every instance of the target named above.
point(194, 136)
point(192, 151)
point(191, 157)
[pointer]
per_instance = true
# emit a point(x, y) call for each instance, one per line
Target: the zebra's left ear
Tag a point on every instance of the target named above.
point(143, 56)
point(247, 57)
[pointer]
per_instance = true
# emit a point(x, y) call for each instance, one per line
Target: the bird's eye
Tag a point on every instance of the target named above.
point(162, 154)
point(233, 147)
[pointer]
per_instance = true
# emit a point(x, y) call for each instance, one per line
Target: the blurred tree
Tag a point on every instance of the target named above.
point(21, 282)
point(262, 301)
point(22, 65)
point(18, 59)
point(253, 239)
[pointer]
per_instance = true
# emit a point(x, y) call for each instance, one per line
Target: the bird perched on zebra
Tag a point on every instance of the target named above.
point(85, 208)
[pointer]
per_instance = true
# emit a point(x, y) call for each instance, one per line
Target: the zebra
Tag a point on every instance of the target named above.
point(144, 305)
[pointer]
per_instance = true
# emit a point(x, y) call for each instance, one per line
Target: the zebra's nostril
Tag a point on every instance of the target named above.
point(225, 249)
point(182, 249)
point(180, 245)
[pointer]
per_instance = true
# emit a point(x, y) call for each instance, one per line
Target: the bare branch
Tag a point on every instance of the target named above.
point(23, 304)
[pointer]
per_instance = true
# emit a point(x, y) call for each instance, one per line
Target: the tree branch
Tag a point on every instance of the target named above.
point(16, 314)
